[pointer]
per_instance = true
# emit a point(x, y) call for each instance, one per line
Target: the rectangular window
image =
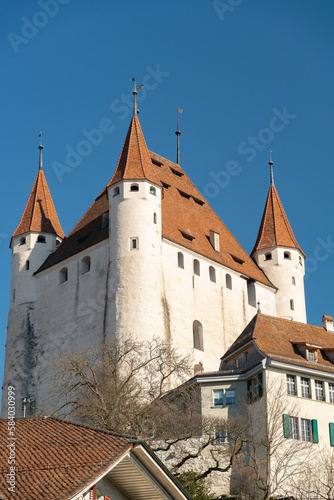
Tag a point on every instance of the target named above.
point(306, 431)
point(319, 391)
point(291, 385)
point(218, 397)
point(331, 393)
point(294, 428)
point(305, 387)
point(222, 437)
point(230, 397)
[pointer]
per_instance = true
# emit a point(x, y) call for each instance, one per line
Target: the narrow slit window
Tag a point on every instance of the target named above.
point(293, 280)
point(197, 269)
point(180, 260)
point(292, 305)
point(228, 281)
point(134, 244)
point(27, 265)
point(63, 275)
point(155, 218)
point(212, 274)
point(198, 335)
point(85, 265)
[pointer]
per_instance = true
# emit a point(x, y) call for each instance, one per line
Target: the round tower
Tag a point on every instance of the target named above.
point(278, 254)
point(136, 280)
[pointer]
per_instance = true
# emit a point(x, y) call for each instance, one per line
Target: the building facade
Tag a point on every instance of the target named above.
point(149, 258)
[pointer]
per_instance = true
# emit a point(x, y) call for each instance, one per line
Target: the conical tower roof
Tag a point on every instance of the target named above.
point(39, 215)
point(135, 161)
point(275, 229)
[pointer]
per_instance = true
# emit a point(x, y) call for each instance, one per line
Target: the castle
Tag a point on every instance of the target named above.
point(150, 257)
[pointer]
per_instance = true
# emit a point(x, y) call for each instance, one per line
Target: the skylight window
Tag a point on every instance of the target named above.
point(185, 195)
point(156, 162)
point(237, 260)
point(176, 172)
point(187, 236)
point(165, 185)
point(199, 202)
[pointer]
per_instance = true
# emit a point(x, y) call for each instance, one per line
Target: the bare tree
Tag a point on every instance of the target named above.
point(319, 481)
point(274, 458)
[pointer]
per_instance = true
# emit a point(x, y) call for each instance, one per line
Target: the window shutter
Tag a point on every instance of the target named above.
point(260, 380)
point(331, 433)
point(286, 425)
point(249, 390)
point(315, 431)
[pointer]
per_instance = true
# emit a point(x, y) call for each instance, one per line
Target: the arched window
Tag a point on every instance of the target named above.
point(155, 218)
point(196, 267)
point(22, 241)
point(41, 239)
point(27, 265)
point(268, 256)
point(198, 335)
point(228, 280)
point(134, 187)
point(63, 275)
point(292, 305)
point(212, 274)
point(180, 260)
point(153, 190)
point(287, 255)
point(85, 265)
point(293, 279)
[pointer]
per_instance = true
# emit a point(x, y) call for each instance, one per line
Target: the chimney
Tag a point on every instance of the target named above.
point(214, 240)
point(327, 323)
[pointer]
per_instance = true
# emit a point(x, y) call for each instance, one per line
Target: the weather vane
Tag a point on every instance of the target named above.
point(134, 93)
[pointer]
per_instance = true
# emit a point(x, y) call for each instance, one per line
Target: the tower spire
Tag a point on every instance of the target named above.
point(178, 133)
point(271, 170)
point(40, 147)
point(135, 93)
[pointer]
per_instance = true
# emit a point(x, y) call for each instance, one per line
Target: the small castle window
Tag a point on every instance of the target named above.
point(85, 265)
point(105, 220)
point(134, 187)
point(116, 191)
point(41, 239)
point(292, 305)
point(198, 335)
point(63, 275)
point(196, 267)
point(153, 190)
point(13, 296)
point(293, 279)
point(300, 261)
point(180, 260)
point(228, 281)
point(212, 274)
point(27, 265)
point(268, 256)
point(236, 363)
point(22, 241)
point(246, 357)
point(134, 243)
point(287, 255)
point(154, 218)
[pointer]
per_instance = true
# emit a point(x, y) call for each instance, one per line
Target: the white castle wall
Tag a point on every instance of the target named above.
point(288, 276)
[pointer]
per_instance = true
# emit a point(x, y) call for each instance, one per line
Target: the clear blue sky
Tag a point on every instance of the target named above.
point(250, 76)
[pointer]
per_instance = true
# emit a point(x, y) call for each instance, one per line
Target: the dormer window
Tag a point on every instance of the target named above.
point(312, 355)
point(41, 239)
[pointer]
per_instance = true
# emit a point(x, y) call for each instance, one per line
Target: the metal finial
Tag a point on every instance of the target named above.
point(178, 133)
point(135, 93)
point(271, 169)
point(40, 147)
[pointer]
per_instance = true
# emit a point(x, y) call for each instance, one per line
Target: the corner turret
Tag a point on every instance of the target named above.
point(278, 254)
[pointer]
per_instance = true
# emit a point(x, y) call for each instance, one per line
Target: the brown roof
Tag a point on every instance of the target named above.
point(275, 229)
point(278, 338)
point(135, 161)
point(39, 215)
point(56, 458)
point(186, 216)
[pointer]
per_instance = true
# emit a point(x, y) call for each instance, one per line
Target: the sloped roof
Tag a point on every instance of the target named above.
point(39, 215)
point(187, 218)
point(277, 338)
point(135, 161)
point(275, 229)
point(56, 458)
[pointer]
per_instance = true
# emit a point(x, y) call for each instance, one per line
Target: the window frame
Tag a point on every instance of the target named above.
point(303, 386)
point(319, 390)
point(331, 392)
point(291, 385)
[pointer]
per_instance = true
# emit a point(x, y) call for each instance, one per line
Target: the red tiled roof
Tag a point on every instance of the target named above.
point(56, 458)
point(275, 229)
point(184, 210)
point(278, 338)
point(39, 215)
point(135, 161)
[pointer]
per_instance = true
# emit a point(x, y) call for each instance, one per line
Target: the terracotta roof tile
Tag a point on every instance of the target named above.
point(277, 338)
point(39, 215)
point(56, 458)
point(275, 229)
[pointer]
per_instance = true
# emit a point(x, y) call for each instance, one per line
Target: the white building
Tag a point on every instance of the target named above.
point(149, 257)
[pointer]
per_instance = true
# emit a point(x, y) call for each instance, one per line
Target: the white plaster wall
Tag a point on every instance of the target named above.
point(280, 272)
